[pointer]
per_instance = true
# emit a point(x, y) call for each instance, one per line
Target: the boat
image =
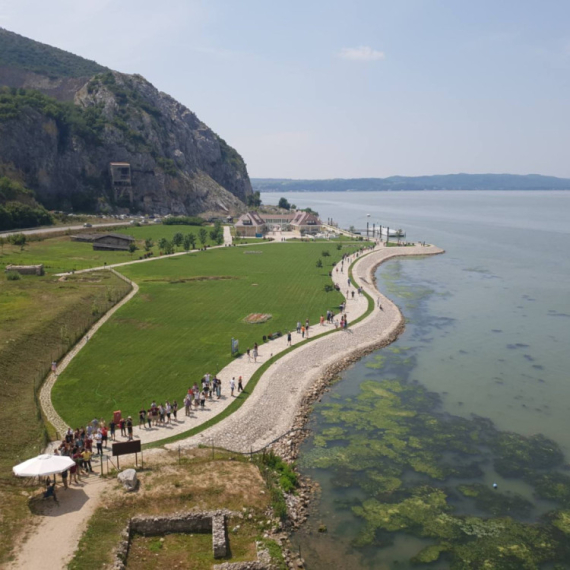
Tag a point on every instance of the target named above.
point(389, 232)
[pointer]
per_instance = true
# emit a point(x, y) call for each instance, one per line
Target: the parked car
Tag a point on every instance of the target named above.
point(87, 225)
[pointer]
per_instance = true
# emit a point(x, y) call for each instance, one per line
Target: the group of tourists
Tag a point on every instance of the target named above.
point(78, 444)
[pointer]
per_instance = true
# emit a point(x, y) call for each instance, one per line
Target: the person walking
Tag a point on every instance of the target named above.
point(122, 424)
point(142, 418)
point(322, 321)
point(255, 354)
point(187, 404)
point(288, 338)
point(149, 418)
point(240, 384)
point(112, 429)
point(202, 399)
point(298, 327)
point(307, 330)
point(130, 427)
point(104, 436)
point(219, 387)
point(175, 409)
point(99, 442)
point(303, 331)
point(86, 456)
point(232, 385)
point(248, 355)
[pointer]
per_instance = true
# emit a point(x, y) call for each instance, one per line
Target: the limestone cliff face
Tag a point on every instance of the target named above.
point(177, 164)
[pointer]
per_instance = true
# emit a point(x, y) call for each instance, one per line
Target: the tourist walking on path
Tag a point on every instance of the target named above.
point(255, 354)
point(99, 442)
point(289, 338)
point(248, 355)
point(302, 332)
point(240, 384)
point(122, 423)
point(142, 418)
point(112, 429)
point(175, 409)
point(130, 427)
point(232, 385)
point(298, 327)
point(202, 399)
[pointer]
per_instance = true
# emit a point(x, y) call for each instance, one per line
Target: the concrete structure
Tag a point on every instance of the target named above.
point(121, 181)
point(115, 242)
point(26, 269)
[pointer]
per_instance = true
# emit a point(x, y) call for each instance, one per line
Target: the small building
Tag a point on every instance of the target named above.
point(306, 223)
point(250, 225)
point(26, 269)
point(113, 242)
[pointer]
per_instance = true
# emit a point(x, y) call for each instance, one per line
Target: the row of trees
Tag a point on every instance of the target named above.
point(187, 242)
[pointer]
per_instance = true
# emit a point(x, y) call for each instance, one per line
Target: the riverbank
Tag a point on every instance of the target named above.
point(284, 392)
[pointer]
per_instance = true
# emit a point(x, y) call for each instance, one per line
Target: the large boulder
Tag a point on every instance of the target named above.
point(128, 478)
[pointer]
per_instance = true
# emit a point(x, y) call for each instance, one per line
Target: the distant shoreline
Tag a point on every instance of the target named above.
point(443, 182)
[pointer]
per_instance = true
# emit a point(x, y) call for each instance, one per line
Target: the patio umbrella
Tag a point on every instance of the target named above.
point(43, 465)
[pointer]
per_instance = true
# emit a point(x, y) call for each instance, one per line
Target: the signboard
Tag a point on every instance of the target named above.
point(117, 417)
point(126, 447)
point(235, 346)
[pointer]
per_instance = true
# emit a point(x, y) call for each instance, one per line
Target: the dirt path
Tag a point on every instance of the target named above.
point(53, 541)
point(45, 393)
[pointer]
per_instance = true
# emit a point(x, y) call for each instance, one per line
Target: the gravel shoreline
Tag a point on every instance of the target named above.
point(284, 394)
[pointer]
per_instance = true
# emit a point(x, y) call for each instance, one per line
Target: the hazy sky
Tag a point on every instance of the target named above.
point(343, 88)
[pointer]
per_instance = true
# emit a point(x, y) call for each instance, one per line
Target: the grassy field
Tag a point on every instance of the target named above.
point(40, 319)
point(181, 323)
point(60, 254)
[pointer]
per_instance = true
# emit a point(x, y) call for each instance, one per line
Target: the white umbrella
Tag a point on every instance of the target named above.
point(43, 465)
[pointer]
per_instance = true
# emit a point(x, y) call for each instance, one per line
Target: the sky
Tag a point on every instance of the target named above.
point(343, 88)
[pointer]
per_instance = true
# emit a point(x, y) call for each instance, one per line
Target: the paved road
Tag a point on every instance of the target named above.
point(57, 229)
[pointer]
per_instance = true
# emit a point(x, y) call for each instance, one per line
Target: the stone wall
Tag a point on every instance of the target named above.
point(188, 522)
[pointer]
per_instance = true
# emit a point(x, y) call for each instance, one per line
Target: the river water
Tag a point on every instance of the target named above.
point(488, 330)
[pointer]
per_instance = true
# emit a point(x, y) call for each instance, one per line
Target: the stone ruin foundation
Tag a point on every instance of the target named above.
point(186, 523)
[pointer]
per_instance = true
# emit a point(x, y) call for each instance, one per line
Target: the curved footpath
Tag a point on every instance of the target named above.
point(271, 409)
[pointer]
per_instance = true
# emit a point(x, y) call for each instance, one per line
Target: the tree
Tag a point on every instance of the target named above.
point(202, 236)
point(220, 239)
point(192, 239)
point(352, 229)
point(162, 244)
point(148, 244)
point(319, 263)
point(254, 200)
point(325, 253)
point(132, 248)
point(293, 206)
point(186, 244)
point(19, 239)
point(283, 203)
point(169, 247)
point(339, 247)
point(178, 239)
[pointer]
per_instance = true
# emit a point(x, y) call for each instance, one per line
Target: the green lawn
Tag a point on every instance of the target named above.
point(180, 324)
point(59, 254)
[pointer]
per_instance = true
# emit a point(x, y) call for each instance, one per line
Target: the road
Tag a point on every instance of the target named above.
point(56, 229)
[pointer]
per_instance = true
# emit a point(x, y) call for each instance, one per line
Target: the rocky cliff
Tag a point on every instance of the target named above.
point(59, 135)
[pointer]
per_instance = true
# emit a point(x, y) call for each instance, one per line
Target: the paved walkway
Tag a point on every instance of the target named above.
point(270, 411)
point(228, 240)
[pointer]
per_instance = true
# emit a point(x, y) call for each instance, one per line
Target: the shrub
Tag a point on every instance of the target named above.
point(183, 221)
point(13, 276)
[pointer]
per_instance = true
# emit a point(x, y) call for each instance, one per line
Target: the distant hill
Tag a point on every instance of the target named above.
point(22, 53)
point(396, 183)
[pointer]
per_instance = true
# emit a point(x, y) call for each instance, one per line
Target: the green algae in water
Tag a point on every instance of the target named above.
point(394, 445)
